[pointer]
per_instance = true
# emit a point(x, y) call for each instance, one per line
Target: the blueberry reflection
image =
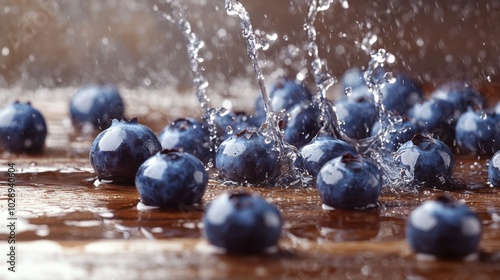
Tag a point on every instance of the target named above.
point(348, 225)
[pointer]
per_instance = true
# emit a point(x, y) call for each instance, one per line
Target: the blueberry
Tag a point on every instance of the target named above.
point(188, 135)
point(285, 94)
point(401, 94)
point(352, 79)
point(302, 124)
point(478, 132)
point(247, 157)
point(349, 182)
point(171, 179)
point(443, 228)
point(232, 123)
point(323, 148)
point(497, 109)
point(400, 133)
point(356, 117)
point(436, 117)
point(22, 128)
point(96, 105)
point(118, 151)
point(242, 222)
point(460, 95)
point(494, 170)
point(425, 161)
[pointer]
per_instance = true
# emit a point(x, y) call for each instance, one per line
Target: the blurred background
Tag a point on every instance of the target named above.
point(60, 43)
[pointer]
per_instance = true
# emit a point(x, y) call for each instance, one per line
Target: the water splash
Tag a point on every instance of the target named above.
point(322, 78)
point(194, 44)
point(287, 173)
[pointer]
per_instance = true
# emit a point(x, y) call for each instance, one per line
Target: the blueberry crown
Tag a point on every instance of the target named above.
point(172, 153)
point(354, 161)
point(241, 199)
point(422, 141)
point(447, 200)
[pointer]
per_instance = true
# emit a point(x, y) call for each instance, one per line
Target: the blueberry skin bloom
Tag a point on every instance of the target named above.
point(323, 148)
point(302, 125)
point(425, 161)
point(284, 95)
point(242, 223)
point(396, 136)
point(494, 170)
point(443, 228)
point(188, 135)
point(246, 157)
point(170, 179)
point(118, 151)
point(402, 94)
point(96, 105)
point(356, 117)
point(22, 128)
point(478, 132)
point(349, 182)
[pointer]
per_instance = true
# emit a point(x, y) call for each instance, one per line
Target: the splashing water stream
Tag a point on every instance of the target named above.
point(286, 173)
point(194, 44)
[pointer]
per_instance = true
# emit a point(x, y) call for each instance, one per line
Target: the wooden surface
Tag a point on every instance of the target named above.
point(69, 228)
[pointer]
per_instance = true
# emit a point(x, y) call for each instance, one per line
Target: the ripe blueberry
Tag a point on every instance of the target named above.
point(425, 161)
point(22, 128)
point(188, 135)
point(494, 170)
point(399, 134)
point(349, 182)
point(170, 179)
point(323, 148)
point(242, 222)
point(356, 116)
point(302, 124)
point(285, 94)
point(443, 228)
point(478, 132)
point(460, 95)
point(96, 105)
point(247, 157)
point(435, 117)
point(118, 151)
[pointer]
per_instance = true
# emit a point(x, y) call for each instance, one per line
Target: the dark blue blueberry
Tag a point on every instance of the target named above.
point(497, 109)
point(247, 157)
point(443, 228)
point(230, 123)
point(302, 124)
point(398, 134)
point(96, 105)
point(242, 222)
point(118, 151)
point(460, 95)
point(425, 161)
point(356, 117)
point(323, 148)
point(478, 132)
point(352, 79)
point(171, 179)
point(435, 117)
point(401, 94)
point(22, 129)
point(285, 94)
point(349, 182)
point(188, 135)
point(494, 170)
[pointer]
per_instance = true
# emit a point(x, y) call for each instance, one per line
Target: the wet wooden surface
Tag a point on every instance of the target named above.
point(70, 228)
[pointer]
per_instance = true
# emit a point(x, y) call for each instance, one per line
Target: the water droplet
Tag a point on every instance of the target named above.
point(229, 130)
point(389, 78)
point(348, 91)
point(344, 4)
point(5, 51)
